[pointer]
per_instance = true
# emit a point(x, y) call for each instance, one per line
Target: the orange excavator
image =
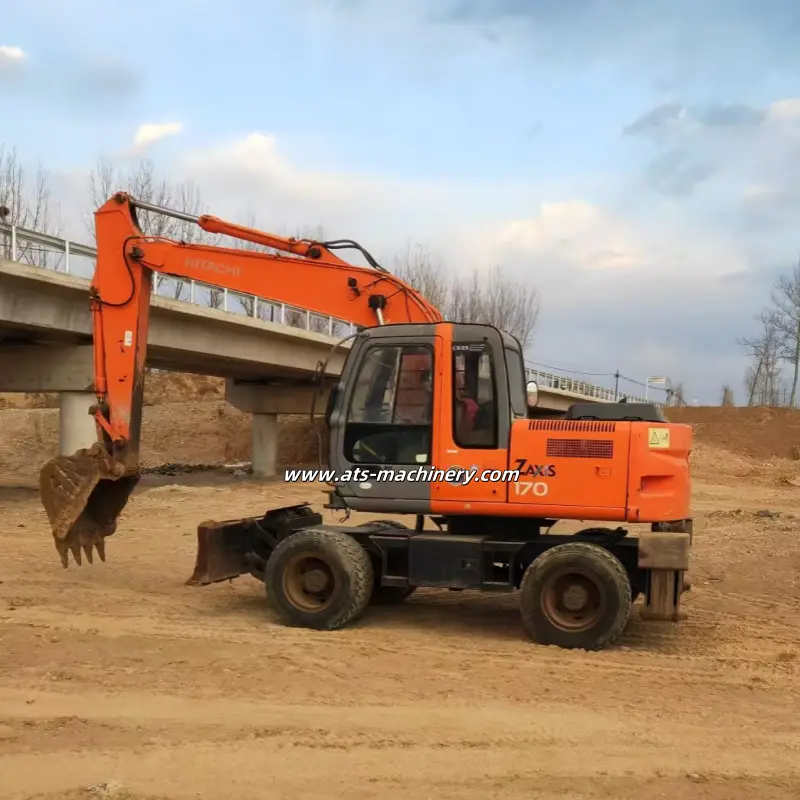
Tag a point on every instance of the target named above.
point(428, 418)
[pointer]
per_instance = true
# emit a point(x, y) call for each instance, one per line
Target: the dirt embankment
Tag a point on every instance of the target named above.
point(186, 421)
point(761, 433)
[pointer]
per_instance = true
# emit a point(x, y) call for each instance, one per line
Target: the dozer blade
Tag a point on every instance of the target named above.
point(217, 558)
point(83, 495)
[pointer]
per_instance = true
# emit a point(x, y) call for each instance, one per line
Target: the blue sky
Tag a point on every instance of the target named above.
point(636, 161)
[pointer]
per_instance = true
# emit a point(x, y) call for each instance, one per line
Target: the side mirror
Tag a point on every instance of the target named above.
point(532, 390)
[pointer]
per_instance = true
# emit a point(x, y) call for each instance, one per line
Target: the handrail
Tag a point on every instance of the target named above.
point(254, 306)
point(561, 383)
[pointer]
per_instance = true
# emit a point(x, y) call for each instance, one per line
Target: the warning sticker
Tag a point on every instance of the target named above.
point(658, 438)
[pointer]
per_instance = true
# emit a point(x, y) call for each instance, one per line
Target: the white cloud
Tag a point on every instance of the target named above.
point(384, 210)
point(784, 109)
point(470, 225)
point(256, 160)
point(585, 235)
point(152, 132)
point(11, 54)
point(12, 59)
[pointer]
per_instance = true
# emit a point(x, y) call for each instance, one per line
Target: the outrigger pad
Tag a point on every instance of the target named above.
point(83, 496)
point(216, 560)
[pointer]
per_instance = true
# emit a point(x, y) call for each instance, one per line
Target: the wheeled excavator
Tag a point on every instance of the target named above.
point(428, 419)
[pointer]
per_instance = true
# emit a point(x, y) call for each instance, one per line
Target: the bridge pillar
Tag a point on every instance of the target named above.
point(76, 427)
point(265, 402)
point(265, 445)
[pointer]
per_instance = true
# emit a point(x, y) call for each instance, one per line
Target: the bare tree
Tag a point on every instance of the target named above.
point(489, 296)
point(26, 204)
point(678, 394)
point(786, 302)
point(727, 396)
point(508, 304)
point(143, 183)
point(763, 375)
point(426, 273)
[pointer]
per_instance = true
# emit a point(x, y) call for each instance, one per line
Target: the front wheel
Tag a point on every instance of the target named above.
point(319, 579)
point(576, 595)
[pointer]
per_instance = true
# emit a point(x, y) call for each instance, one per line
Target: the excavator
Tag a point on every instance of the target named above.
point(430, 420)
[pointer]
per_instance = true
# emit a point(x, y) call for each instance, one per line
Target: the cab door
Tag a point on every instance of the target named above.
point(382, 425)
point(474, 424)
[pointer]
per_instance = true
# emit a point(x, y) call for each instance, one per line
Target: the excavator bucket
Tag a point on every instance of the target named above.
point(83, 495)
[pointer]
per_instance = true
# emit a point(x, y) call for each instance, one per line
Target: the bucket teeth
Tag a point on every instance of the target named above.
point(63, 552)
point(83, 496)
point(67, 546)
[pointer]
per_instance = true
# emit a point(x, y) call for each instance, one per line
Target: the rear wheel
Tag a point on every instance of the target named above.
point(319, 579)
point(576, 595)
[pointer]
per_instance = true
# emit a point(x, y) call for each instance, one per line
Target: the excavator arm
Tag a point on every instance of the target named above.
point(84, 494)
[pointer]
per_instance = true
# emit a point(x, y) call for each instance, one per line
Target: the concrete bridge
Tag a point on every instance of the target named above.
point(267, 351)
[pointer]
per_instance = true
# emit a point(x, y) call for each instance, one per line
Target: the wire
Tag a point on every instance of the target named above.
point(639, 383)
point(573, 371)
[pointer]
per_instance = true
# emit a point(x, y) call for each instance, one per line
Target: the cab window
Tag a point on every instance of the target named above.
point(389, 419)
point(474, 397)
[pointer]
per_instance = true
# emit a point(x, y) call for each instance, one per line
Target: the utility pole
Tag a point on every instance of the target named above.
point(616, 385)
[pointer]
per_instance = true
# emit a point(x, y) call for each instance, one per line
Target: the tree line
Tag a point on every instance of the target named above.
point(773, 349)
point(490, 295)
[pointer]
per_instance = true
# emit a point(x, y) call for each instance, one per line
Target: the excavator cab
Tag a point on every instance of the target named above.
point(414, 396)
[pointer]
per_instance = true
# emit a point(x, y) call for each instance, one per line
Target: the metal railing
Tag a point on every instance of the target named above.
point(72, 258)
point(549, 380)
point(78, 260)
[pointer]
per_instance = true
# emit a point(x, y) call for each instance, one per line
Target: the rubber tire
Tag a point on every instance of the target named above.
point(606, 567)
point(352, 568)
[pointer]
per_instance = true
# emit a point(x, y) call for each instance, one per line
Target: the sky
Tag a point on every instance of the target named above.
point(637, 162)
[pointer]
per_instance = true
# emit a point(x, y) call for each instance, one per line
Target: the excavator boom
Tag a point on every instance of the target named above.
point(84, 494)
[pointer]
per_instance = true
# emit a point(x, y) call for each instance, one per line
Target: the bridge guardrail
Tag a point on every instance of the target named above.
point(60, 255)
point(552, 381)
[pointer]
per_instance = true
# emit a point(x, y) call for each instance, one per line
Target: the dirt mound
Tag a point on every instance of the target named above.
point(760, 433)
point(211, 433)
point(177, 387)
point(186, 420)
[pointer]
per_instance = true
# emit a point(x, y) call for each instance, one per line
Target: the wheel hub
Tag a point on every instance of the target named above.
point(309, 582)
point(315, 581)
point(575, 597)
point(573, 600)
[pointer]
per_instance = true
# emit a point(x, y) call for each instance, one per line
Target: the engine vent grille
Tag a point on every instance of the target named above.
point(572, 425)
point(580, 448)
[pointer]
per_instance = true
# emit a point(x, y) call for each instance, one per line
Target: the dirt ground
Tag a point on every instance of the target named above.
point(116, 681)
